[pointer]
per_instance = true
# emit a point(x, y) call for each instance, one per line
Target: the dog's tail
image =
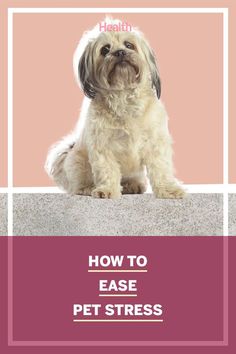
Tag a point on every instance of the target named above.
point(56, 157)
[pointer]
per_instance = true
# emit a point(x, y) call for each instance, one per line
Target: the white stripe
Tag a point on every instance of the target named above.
point(225, 118)
point(190, 188)
point(3, 190)
point(37, 190)
point(118, 295)
point(204, 188)
point(231, 188)
point(104, 320)
point(119, 10)
point(10, 123)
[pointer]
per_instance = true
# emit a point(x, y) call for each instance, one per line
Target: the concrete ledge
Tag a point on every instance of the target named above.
point(232, 214)
point(3, 214)
point(134, 215)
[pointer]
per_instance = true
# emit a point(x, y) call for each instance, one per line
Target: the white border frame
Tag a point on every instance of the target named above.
point(224, 188)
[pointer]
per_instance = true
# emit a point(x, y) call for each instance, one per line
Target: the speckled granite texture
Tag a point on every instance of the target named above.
point(61, 214)
point(232, 214)
point(3, 214)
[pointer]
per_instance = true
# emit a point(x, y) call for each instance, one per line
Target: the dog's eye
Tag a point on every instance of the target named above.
point(129, 45)
point(105, 50)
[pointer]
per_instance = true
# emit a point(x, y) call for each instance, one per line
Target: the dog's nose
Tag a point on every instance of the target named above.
point(120, 53)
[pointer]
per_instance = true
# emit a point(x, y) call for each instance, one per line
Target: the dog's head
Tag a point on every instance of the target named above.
point(106, 61)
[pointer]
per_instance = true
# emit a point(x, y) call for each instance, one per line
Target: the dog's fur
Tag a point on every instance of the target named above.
point(123, 132)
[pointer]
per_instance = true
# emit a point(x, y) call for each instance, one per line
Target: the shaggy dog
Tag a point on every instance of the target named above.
point(122, 134)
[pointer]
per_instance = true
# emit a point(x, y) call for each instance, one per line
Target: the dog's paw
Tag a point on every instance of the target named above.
point(133, 187)
point(105, 193)
point(171, 191)
point(85, 191)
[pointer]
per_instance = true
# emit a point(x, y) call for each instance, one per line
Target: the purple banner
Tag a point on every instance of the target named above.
point(108, 291)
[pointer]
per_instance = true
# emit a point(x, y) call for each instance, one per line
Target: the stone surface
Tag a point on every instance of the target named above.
point(232, 214)
point(3, 214)
point(61, 214)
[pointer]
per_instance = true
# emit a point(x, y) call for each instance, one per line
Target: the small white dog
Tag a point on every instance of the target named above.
point(123, 133)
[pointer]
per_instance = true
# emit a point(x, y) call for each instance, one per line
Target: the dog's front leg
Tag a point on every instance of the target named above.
point(106, 174)
point(160, 170)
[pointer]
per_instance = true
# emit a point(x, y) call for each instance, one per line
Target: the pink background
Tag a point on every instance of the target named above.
point(47, 106)
point(47, 100)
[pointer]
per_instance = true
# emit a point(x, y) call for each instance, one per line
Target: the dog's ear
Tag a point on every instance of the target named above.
point(85, 72)
point(155, 77)
point(151, 60)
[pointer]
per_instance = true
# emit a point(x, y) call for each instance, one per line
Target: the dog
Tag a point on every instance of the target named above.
point(122, 136)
